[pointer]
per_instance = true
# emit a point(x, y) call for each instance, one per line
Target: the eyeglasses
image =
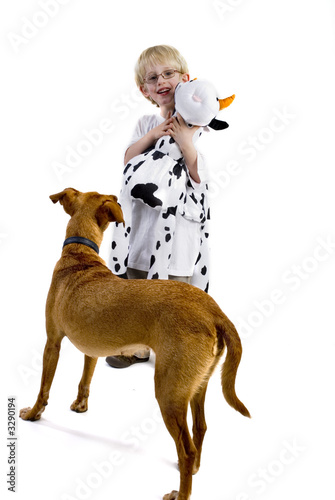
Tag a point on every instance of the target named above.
point(168, 73)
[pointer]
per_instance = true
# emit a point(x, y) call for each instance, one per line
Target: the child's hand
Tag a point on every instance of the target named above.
point(180, 132)
point(183, 136)
point(149, 139)
point(163, 128)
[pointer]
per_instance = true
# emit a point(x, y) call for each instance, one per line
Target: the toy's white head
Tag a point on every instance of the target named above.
point(197, 102)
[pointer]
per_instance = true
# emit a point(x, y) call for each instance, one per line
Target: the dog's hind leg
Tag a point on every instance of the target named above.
point(50, 360)
point(173, 402)
point(174, 415)
point(80, 404)
point(199, 423)
point(198, 411)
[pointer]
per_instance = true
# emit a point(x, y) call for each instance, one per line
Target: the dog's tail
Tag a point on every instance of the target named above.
point(230, 366)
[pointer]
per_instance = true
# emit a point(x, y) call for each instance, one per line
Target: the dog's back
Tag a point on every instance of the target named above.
point(85, 297)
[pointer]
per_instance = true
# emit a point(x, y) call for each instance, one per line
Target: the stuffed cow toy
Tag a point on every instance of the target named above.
point(159, 178)
point(197, 102)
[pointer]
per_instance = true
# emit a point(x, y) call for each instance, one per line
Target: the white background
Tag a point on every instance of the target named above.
point(273, 256)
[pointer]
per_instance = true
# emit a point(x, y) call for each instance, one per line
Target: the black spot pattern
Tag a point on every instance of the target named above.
point(145, 192)
point(170, 211)
point(157, 155)
point(138, 165)
point(178, 169)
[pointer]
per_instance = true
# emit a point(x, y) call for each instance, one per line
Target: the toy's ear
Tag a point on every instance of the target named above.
point(218, 124)
point(224, 103)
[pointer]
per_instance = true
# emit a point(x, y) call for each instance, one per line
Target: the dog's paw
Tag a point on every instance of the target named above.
point(79, 405)
point(27, 414)
point(171, 496)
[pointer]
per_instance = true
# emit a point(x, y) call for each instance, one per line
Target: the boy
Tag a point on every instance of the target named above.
point(158, 71)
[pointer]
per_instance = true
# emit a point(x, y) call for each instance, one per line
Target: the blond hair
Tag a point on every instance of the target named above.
point(158, 54)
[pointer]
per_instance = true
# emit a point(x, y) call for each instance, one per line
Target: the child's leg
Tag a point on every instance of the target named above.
point(135, 274)
point(184, 279)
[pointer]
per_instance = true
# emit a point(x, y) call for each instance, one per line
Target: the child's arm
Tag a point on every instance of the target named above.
point(148, 140)
point(183, 135)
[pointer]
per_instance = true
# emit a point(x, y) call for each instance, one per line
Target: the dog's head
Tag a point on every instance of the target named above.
point(102, 208)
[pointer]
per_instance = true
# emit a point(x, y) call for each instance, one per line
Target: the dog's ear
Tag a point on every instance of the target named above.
point(109, 211)
point(67, 198)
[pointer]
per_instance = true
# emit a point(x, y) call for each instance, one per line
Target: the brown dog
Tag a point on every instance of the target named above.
point(103, 315)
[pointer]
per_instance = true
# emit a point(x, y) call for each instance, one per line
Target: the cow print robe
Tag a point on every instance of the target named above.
point(160, 179)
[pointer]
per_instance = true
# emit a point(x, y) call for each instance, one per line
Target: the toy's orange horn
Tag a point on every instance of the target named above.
point(224, 103)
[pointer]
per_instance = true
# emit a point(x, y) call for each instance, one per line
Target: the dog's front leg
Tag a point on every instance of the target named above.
point(50, 360)
point(80, 404)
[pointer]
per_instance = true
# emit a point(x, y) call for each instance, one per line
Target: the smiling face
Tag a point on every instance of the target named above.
point(162, 90)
